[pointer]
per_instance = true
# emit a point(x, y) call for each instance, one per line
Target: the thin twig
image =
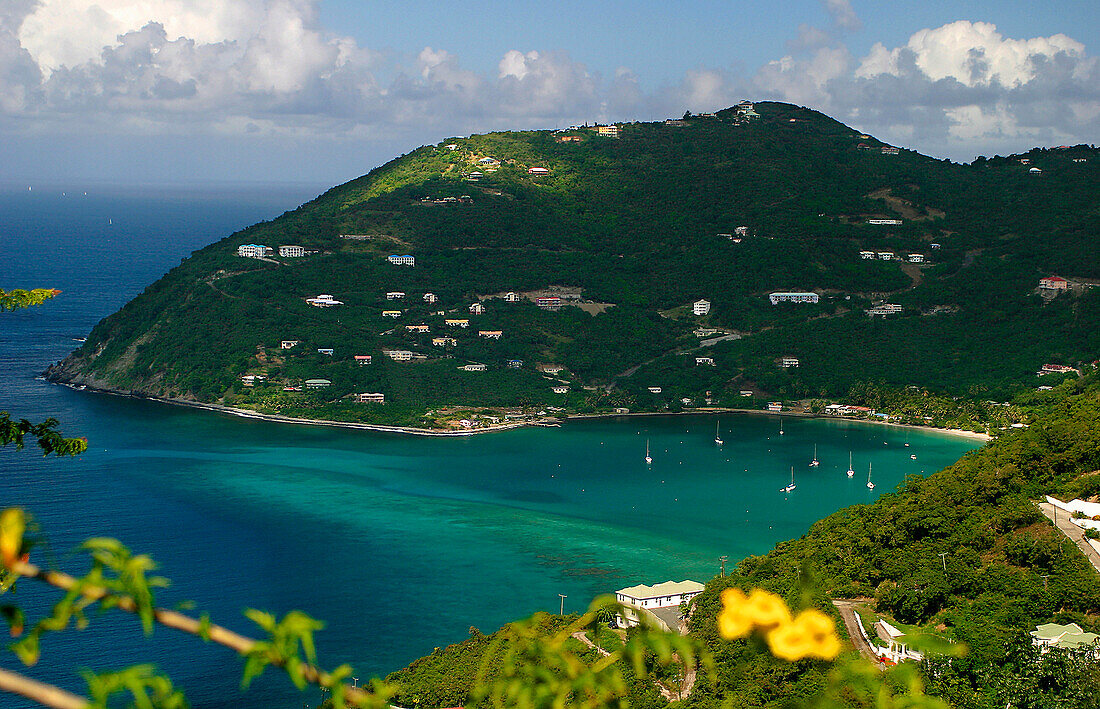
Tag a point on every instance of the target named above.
point(173, 619)
point(45, 694)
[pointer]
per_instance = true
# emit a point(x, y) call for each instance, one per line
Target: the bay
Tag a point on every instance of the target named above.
point(400, 543)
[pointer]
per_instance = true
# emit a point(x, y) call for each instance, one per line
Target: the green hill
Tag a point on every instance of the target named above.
point(628, 232)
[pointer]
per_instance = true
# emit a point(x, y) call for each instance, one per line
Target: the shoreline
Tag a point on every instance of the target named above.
point(545, 422)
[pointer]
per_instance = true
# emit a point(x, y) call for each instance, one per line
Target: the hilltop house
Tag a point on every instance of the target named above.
point(402, 355)
point(511, 297)
point(515, 363)
point(934, 246)
point(430, 298)
point(292, 251)
point(884, 309)
point(549, 303)
point(886, 222)
point(608, 131)
point(489, 162)
point(549, 368)
point(364, 360)
point(640, 599)
point(403, 260)
point(889, 150)
point(654, 390)
point(288, 344)
point(537, 171)
point(1057, 369)
point(370, 398)
point(916, 258)
point(1053, 283)
point(896, 647)
point(325, 300)
point(251, 379)
point(701, 307)
point(474, 176)
point(457, 322)
point(886, 255)
point(477, 308)
point(1035, 171)
point(793, 297)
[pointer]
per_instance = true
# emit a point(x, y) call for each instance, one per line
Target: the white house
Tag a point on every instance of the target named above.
point(741, 231)
point(1035, 171)
point(288, 344)
point(391, 313)
point(793, 297)
point(549, 303)
point(473, 367)
point(370, 398)
point(888, 222)
point(430, 298)
point(884, 309)
point(560, 389)
point(654, 390)
point(515, 363)
point(889, 150)
point(254, 251)
point(457, 322)
point(395, 295)
point(324, 351)
point(325, 300)
point(489, 162)
point(317, 383)
point(511, 297)
point(292, 251)
point(363, 360)
point(537, 171)
point(477, 308)
point(934, 246)
point(886, 255)
point(775, 406)
point(896, 647)
point(1066, 637)
point(1053, 283)
point(701, 307)
point(787, 362)
point(708, 361)
point(404, 260)
point(417, 328)
point(490, 334)
point(867, 255)
point(916, 258)
point(444, 341)
point(549, 368)
point(669, 594)
point(399, 355)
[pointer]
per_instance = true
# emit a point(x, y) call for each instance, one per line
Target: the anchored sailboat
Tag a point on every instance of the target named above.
point(851, 472)
point(870, 485)
point(648, 458)
point(790, 488)
point(717, 438)
point(815, 462)
point(780, 427)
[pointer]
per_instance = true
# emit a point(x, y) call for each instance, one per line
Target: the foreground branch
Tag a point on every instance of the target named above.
point(173, 619)
point(45, 694)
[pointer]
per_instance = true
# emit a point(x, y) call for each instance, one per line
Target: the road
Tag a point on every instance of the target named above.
point(1061, 520)
point(848, 615)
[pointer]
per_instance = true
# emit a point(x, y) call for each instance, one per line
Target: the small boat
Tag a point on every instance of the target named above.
point(80, 339)
point(912, 456)
point(780, 427)
point(717, 438)
point(789, 488)
point(648, 458)
point(870, 485)
point(851, 472)
point(815, 462)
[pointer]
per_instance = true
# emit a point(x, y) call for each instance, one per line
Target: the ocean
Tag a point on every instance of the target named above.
point(401, 544)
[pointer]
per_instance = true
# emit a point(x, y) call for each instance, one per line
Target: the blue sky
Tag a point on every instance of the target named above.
point(320, 91)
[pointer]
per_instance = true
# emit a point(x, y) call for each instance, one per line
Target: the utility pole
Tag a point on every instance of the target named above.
point(562, 610)
point(1045, 577)
point(943, 558)
point(723, 560)
point(356, 681)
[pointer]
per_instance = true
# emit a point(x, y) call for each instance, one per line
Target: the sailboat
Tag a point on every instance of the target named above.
point(851, 472)
point(790, 488)
point(870, 485)
point(648, 458)
point(717, 438)
point(780, 427)
point(815, 462)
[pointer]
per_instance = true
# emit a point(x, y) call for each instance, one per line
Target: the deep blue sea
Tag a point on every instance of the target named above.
point(400, 543)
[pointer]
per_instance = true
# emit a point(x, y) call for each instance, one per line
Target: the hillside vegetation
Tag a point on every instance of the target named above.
point(629, 231)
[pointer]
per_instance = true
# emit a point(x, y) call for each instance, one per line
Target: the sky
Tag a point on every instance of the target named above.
point(321, 91)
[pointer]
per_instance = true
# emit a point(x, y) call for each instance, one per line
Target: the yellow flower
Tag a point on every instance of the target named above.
point(741, 614)
point(733, 622)
point(810, 634)
point(13, 523)
point(767, 610)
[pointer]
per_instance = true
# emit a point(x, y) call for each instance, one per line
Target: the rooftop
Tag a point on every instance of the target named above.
point(668, 588)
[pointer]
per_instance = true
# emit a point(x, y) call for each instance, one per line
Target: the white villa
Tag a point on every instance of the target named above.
point(1066, 637)
point(490, 334)
point(404, 260)
point(444, 341)
point(288, 344)
point(867, 255)
point(787, 362)
point(709, 361)
point(430, 298)
point(325, 300)
point(292, 251)
point(887, 222)
point(701, 307)
point(793, 297)
point(896, 648)
point(560, 389)
point(254, 251)
point(473, 367)
point(916, 258)
point(669, 594)
point(477, 308)
point(395, 295)
point(391, 313)
point(370, 398)
point(457, 322)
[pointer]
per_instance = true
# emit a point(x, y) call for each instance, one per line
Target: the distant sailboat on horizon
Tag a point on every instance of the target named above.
point(648, 458)
point(717, 438)
point(815, 462)
point(790, 488)
point(870, 485)
point(851, 472)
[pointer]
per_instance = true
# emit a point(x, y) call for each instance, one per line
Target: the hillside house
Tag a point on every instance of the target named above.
point(675, 122)
point(787, 362)
point(775, 406)
point(473, 367)
point(889, 150)
point(395, 295)
point(549, 368)
point(251, 379)
point(399, 355)
point(289, 344)
point(885, 222)
point(560, 389)
point(1080, 160)
point(477, 309)
point(704, 361)
point(701, 307)
point(1058, 369)
point(641, 600)
point(1054, 283)
point(569, 139)
point(1025, 161)
point(862, 146)
point(511, 297)
point(291, 251)
point(886, 255)
point(793, 297)
point(254, 251)
point(417, 328)
point(451, 146)
point(537, 171)
point(490, 334)
point(1035, 171)
point(1066, 637)
point(325, 300)
point(364, 360)
point(608, 131)
point(370, 398)
point(357, 237)
point(488, 162)
point(316, 383)
point(402, 260)
point(884, 309)
point(391, 313)
point(934, 246)
point(742, 231)
point(916, 258)
point(474, 176)
point(896, 644)
point(552, 303)
point(430, 298)
point(444, 341)
point(705, 331)
point(456, 322)
point(654, 390)
point(515, 363)
point(867, 255)
point(745, 393)
point(327, 351)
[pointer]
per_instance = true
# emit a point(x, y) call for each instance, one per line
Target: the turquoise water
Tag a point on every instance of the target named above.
point(402, 543)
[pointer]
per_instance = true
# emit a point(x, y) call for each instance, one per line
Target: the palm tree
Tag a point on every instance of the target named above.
point(602, 617)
